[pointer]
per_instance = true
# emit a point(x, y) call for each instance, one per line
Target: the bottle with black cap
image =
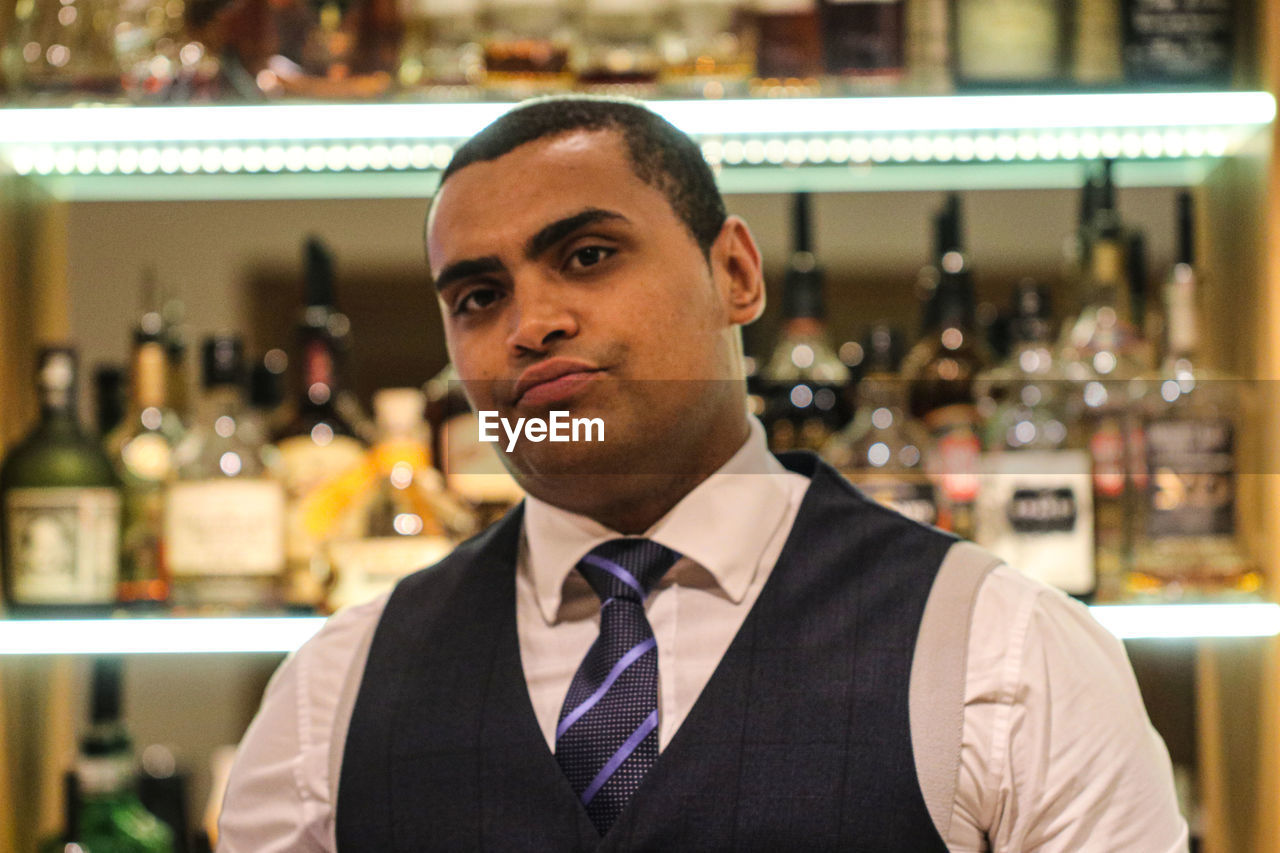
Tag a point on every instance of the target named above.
point(1185, 524)
point(941, 368)
point(804, 384)
point(319, 445)
point(1035, 504)
point(883, 449)
point(111, 816)
point(60, 504)
point(224, 516)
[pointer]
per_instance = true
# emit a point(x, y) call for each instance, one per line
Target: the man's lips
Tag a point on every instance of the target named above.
point(552, 381)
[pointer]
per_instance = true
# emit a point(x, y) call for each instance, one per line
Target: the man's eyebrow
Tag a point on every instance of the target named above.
point(551, 234)
point(470, 267)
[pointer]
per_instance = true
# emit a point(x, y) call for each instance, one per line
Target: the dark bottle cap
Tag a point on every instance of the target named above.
point(802, 288)
point(318, 261)
point(1136, 263)
point(884, 346)
point(222, 360)
point(1186, 229)
point(1032, 311)
point(109, 396)
point(105, 690)
point(266, 381)
point(951, 226)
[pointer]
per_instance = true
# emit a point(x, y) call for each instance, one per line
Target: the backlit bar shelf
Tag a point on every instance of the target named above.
point(759, 145)
point(283, 634)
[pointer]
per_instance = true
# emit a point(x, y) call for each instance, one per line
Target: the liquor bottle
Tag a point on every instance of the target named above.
point(708, 51)
point(1178, 42)
point(159, 56)
point(141, 449)
point(1075, 249)
point(616, 49)
point(440, 53)
point(262, 416)
point(61, 49)
point(1035, 507)
point(319, 445)
point(526, 47)
point(883, 449)
point(471, 468)
point(1096, 43)
point(789, 50)
point(408, 519)
point(864, 41)
point(941, 368)
point(224, 513)
point(1185, 543)
point(1009, 43)
point(112, 818)
point(804, 382)
point(60, 501)
point(1103, 353)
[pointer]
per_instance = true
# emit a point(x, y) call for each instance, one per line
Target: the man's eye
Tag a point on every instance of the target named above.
point(589, 256)
point(476, 299)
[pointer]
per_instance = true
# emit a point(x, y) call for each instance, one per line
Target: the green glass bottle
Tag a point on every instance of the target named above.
point(59, 504)
point(112, 818)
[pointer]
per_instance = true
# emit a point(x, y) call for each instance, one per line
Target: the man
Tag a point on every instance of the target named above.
point(678, 642)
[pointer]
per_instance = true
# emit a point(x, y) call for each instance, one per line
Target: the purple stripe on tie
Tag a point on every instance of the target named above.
point(623, 753)
point(616, 570)
point(618, 668)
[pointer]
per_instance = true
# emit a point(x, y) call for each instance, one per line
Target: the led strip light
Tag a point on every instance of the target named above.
point(422, 137)
point(284, 634)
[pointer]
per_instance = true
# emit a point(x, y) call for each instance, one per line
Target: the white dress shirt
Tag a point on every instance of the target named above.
point(1057, 752)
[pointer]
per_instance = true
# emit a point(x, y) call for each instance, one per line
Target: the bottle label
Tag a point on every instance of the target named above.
point(367, 568)
point(472, 467)
point(225, 527)
point(958, 452)
point(1035, 511)
point(1011, 40)
point(63, 545)
point(317, 496)
point(1106, 446)
point(915, 500)
point(1178, 40)
point(1191, 490)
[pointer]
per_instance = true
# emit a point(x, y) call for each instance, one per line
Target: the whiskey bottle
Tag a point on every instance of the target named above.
point(708, 50)
point(224, 514)
point(1035, 507)
point(805, 384)
point(883, 449)
point(617, 49)
point(941, 368)
point(1103, 353)
point(1185, 543)
point(441, 54)
point(864, 41)
point(527, 47)
point(59, 504)
point(1178, 42)
point(408, 519)
point(789, 51)
point(141, 449)
point(318, 446)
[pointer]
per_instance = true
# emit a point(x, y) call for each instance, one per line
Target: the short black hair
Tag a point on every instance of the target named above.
point(661, 155)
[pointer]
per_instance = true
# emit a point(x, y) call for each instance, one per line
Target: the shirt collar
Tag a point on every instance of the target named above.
point(723, 525)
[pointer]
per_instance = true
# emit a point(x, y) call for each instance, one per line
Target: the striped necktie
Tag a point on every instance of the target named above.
point(607, 738)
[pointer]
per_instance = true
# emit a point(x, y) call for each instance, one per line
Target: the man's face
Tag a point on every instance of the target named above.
point(567, 283)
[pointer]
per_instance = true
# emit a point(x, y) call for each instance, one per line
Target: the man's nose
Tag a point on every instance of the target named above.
point(539, 320)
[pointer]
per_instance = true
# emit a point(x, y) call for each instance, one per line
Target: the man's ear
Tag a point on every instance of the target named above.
point(738, 272)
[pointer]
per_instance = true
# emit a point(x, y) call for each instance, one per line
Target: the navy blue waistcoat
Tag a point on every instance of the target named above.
point(800, 740)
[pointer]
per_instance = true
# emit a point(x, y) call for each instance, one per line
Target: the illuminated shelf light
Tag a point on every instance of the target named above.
point(297, 138)
point(285, 634)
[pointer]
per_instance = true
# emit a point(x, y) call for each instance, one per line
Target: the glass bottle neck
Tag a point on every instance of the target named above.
point(150, 369)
